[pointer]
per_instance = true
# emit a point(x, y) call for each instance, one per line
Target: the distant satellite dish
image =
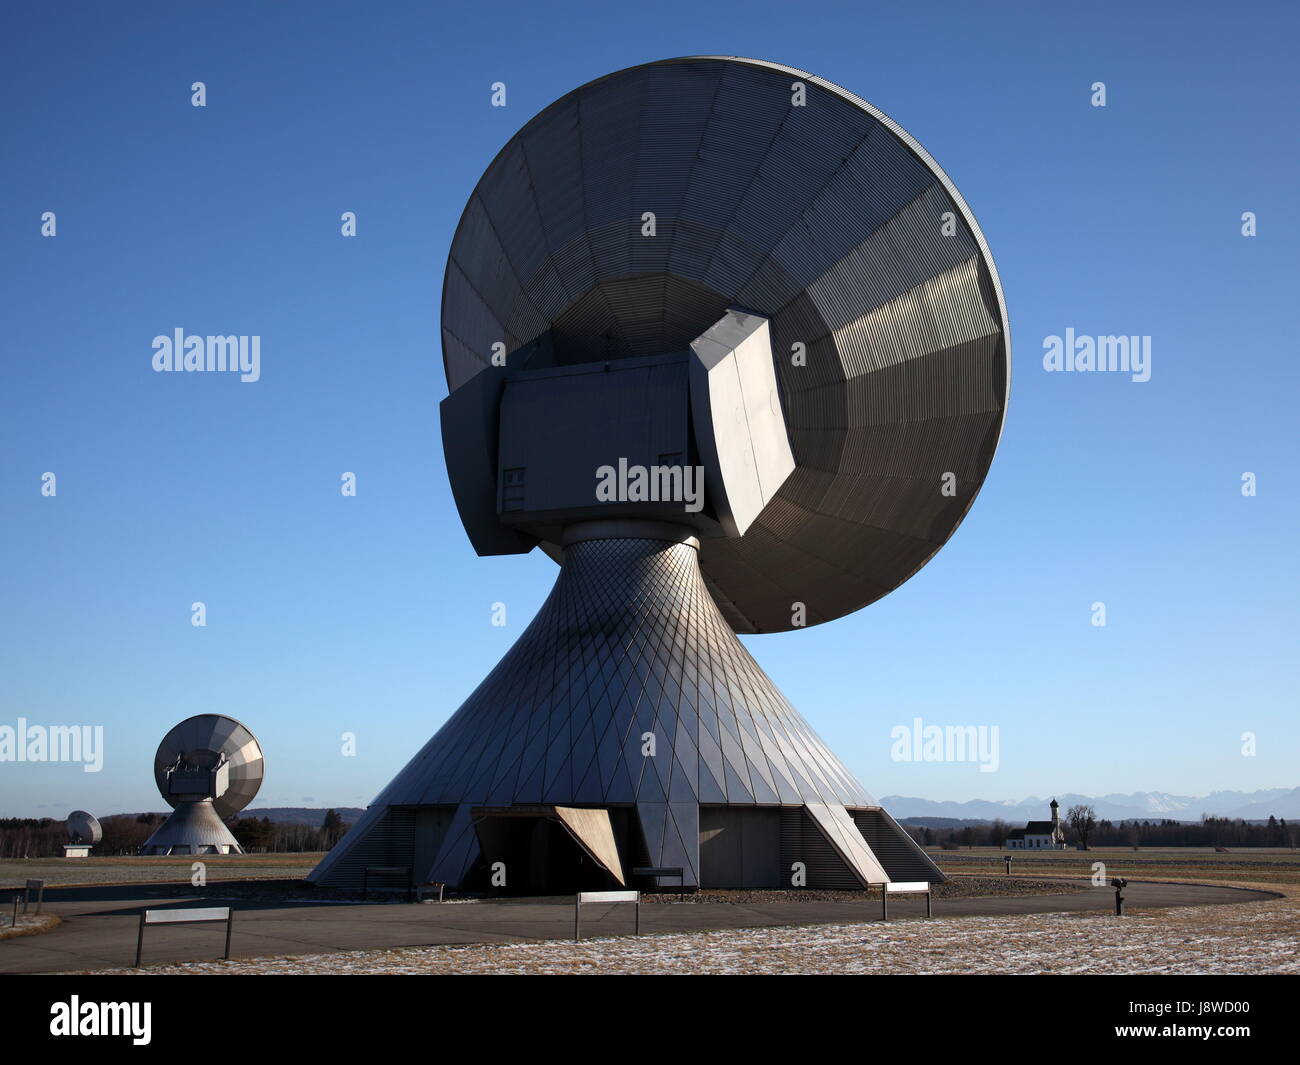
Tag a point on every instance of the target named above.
point(84, 827)
point(208, 768)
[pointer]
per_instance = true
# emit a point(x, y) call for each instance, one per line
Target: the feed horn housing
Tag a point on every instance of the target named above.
point(696, 437)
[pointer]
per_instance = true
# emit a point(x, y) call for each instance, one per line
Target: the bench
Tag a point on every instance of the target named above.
point(603, 896)
point(665, 870)
point(429, 886)
point(386, 870)
point(916, 887)
point(199, 915)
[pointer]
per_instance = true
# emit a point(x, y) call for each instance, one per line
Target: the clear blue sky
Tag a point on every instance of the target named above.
point(372, 615)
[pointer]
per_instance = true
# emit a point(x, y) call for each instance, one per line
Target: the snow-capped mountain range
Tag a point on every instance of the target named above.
point(1253, 806)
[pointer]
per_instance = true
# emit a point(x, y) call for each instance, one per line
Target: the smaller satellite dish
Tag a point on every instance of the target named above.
point(84, 827)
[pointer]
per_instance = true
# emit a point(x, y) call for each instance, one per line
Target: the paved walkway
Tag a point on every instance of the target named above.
point(100, 923)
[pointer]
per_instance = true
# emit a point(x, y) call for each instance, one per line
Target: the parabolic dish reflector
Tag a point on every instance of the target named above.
point(201, 740)
point(626, 218)
point(84, 827)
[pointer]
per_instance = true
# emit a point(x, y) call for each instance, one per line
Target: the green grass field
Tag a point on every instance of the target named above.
point(1261, 865)
point(132, 870)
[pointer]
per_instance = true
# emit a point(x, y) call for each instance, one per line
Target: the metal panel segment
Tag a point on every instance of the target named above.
point(592, 831)
point(899, 854)
point(737, 416)
point(842, 834)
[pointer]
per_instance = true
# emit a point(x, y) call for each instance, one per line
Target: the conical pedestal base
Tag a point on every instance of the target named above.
point(192, 828)
point(628, 694)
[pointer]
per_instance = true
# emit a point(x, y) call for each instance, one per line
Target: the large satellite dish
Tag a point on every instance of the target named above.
point(208, 768)
point(84, 828)
point(203, 741)
point(888, 328)
point(722, 339)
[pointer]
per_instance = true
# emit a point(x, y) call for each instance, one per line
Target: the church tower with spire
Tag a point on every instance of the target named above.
point(1039, 835)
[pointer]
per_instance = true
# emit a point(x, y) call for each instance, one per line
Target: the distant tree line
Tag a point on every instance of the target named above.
point(125, 834)
point(22, 837)
point(1208, 832)
point(273, 837)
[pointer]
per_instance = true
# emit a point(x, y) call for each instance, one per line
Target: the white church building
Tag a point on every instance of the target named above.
point(1039, 835)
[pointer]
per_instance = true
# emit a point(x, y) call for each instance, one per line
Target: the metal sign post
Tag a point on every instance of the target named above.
point(202, 915)
point(603, 896)
point(916, 887)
